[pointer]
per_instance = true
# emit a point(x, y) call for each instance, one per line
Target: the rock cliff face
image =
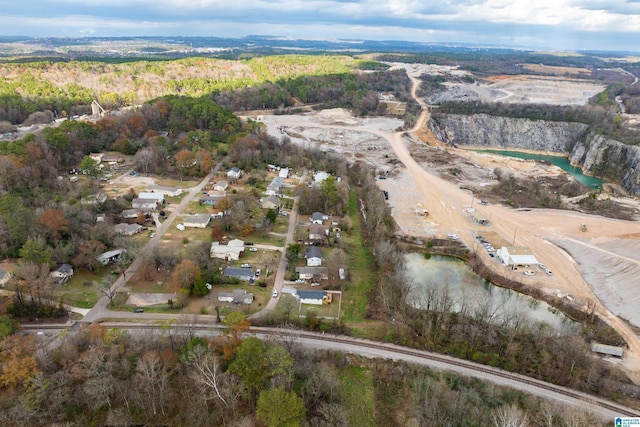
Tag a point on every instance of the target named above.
point(504, 132)
point(600, 156)
point(596, 155)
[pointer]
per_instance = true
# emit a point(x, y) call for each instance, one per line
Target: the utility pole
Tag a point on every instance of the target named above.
point(514, 237)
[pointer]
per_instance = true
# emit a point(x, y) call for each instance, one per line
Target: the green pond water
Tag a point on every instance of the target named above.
point(560, 161)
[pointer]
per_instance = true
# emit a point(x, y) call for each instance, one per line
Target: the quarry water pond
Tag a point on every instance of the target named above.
point(435, 276)
point(560, 161)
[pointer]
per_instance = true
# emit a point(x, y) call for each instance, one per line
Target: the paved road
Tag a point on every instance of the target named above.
point(100, 311)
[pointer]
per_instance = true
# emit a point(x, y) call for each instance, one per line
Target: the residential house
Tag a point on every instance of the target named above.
point(318, 232)
point(4, 276)
point(315, 297)
point(234, 173)
point(320, 176)
point(275, 186)
point(130, 213)
point(112, 158)
point(208, 200)
point(238, 296)
point(144, 204)
point(97, 157)
point(314, 256)
point(284, 173)
point(197, 221)
point(128, 229)
point(271, 202)
point(62, 274)
point(167, 191)
point(514, 256)
point(100, 217)
point(312, 273)
point(319, 218)
point(221, 185)
point(226, 252)
point(158, 197)
point(111, 256)
point(242, 273)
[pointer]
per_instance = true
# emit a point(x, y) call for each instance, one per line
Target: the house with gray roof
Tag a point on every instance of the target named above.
point(197, 221)
point(128, 229)
point(242, 273)
point(314, 256)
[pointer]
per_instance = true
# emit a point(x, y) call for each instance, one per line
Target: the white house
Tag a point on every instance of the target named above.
point(514, 256)
point(221, 186)
point(314, 297)
point(275, 186)
point(144, 204)
point(167, 191)
point(62, 274)
point(197, 221)
point(158, 197)
point(128, 229)
point(234, 173)
point(319, 217)
point(226, 252)
point(320, 176)
point(314, 256)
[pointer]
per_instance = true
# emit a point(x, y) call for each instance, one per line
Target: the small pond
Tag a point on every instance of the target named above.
point(434, 276)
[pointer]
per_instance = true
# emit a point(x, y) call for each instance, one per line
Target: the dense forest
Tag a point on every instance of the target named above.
point(102, 376)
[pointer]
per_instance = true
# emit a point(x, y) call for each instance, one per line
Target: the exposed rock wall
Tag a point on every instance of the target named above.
point(504, 132)
point(596, 154)
point(600, 156)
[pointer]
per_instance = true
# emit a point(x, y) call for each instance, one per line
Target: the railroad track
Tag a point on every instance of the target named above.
point(391, 351)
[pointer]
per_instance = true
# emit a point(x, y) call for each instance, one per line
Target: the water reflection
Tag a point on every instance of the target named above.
point(447, 284)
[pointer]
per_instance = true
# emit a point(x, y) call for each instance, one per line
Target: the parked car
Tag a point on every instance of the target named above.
point(245, 265)
point(258, 272)
point(253, 249)
point(299, 280)
point(138, 310)
point(275, 294)
point(549, 272)
point(529, 273)
point(248, 243)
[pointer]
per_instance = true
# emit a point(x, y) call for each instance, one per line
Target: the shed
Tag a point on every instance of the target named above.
point(319, 217)
point(234, 173)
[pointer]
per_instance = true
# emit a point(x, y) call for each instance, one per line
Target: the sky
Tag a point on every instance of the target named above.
point(612, 25)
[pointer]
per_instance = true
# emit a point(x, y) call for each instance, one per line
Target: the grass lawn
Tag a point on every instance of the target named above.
point(362, 280)
point(176, 183)
point(358, 398)
point(76, 293)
